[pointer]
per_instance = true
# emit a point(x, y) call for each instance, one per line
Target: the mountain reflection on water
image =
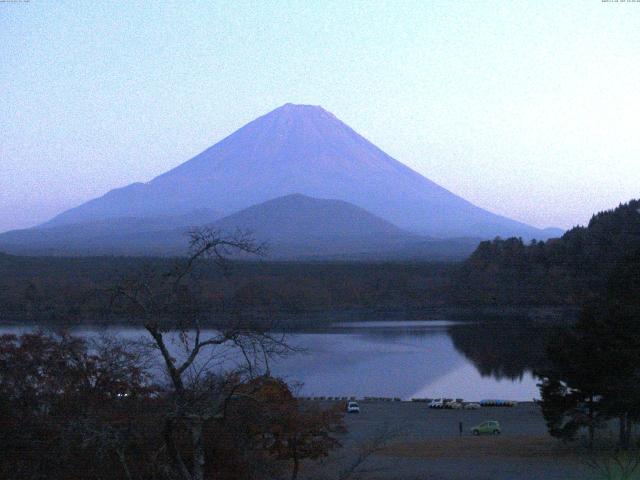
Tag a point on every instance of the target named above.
point(471, 360)
point(414, 359)
point(502, 350)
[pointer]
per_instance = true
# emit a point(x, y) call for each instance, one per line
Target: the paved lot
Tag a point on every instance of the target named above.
point(426, 445)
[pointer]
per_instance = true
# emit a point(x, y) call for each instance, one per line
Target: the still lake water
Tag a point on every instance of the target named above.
point(410, 359)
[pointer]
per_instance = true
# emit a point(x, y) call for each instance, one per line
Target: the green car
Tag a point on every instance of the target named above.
point(492, 427)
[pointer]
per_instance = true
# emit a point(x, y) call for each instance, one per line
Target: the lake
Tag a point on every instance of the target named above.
point(413, 359)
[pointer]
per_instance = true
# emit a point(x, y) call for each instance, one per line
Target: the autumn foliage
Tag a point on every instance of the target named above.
point(70, 409)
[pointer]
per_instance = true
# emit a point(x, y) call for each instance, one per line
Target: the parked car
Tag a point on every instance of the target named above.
point(454, 405)
point(491, 427)
point(437, 403)
point(498, 403)
point(472, 406)
point(353, 407)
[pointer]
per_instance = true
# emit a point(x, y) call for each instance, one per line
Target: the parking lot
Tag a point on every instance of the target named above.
point(423, 443)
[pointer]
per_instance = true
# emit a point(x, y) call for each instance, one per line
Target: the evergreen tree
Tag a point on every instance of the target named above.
point(595, 364)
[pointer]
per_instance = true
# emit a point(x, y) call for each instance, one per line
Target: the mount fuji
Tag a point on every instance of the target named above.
point(299, 179)
point(301, 149)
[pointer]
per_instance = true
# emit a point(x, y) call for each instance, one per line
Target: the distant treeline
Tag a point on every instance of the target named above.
point(507, 273)
point(77, 289)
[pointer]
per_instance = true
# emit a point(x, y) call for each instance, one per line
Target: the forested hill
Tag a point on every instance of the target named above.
point(563, 271)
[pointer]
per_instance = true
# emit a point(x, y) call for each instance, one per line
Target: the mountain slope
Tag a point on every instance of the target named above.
point(127, 235)
point(301, 149)
point(293, 227)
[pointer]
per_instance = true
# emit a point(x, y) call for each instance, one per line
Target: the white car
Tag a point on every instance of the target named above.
point(472, 406)
point(436, 403)
point(353, 407)
point(454, 405)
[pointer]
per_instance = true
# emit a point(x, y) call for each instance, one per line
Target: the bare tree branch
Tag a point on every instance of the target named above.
point(164, 302)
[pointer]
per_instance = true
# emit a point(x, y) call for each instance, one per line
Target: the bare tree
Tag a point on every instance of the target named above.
point(167, 303)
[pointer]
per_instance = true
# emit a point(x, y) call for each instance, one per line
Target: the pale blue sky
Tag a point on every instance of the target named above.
point(528, 109)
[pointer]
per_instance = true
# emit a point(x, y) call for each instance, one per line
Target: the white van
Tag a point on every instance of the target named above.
point(353, 407)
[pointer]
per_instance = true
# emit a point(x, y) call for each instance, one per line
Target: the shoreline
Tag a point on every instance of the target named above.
point(310, 320)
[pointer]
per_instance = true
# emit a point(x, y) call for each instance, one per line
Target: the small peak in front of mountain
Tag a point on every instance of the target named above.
point(296, 197)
